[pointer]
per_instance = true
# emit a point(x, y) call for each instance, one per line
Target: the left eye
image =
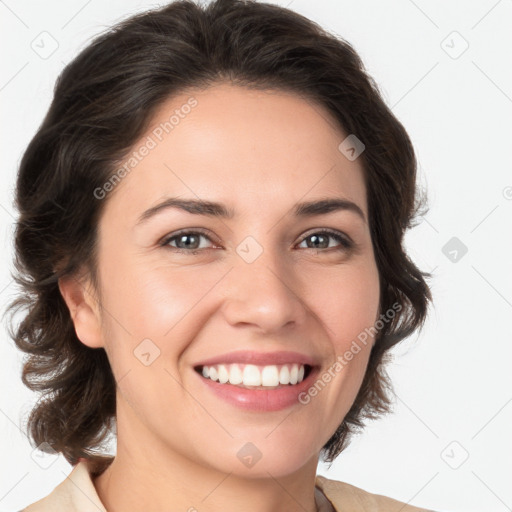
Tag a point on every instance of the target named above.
point(319, 237)
point(189, 241)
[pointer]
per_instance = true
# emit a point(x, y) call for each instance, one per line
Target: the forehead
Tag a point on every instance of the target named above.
point(243, 147)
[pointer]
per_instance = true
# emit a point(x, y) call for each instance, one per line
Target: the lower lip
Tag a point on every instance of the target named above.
point(260, 399)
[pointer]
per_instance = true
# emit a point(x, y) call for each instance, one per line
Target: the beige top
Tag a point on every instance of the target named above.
point(78, 494)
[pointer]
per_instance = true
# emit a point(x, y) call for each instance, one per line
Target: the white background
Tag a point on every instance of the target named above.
point(452, 381)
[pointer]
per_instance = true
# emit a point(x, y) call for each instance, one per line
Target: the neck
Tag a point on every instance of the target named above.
point(146, 475)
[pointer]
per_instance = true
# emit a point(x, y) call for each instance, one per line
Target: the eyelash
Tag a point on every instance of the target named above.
point(345, 243)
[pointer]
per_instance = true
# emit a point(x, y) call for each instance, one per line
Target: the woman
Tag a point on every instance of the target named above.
point(210, 249)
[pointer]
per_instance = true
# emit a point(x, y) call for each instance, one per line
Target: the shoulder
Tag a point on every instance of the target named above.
point(76, 493)
point(58, 499)
point(345, 496)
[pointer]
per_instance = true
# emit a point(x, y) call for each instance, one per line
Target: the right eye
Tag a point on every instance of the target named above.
point(188, 242)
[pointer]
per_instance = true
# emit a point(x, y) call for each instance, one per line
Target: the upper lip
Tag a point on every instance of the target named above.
point(259, 358)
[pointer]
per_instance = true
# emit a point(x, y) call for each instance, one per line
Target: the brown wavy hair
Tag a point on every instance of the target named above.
point(103, 102)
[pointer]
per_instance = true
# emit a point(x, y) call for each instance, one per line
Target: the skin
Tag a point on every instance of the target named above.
point(260, 153)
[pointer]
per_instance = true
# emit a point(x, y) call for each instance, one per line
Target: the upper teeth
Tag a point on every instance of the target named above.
point(252, 375)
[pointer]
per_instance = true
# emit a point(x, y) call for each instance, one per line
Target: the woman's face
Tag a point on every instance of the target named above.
point(266, 280)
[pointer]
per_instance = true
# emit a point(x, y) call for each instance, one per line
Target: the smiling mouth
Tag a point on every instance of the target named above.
point(250, 376)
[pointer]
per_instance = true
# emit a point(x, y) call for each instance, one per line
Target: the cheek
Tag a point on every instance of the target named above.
point(149, 320)
point(347, 302)
point(163, 304)
point(347, 305)
point(149, 300)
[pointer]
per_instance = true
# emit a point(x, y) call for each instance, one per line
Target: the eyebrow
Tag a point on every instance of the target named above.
point(219, 210)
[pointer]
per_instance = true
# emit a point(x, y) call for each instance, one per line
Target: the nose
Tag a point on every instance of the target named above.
point(264, 293)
